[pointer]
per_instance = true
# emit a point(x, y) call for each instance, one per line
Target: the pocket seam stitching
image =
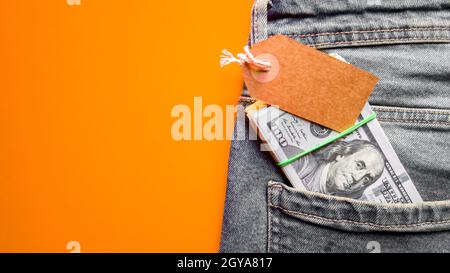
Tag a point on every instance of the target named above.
point(414, 121)
point(269, 215)
point(359, 223)
point(382, 41)
point(394, 109)
point(255, 22)
point(430, 223)
point(368, 31)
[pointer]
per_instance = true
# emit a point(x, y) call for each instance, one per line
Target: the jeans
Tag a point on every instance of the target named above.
point(407, 45)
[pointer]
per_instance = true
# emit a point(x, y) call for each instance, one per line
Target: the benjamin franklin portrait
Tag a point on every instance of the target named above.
point(342, 168)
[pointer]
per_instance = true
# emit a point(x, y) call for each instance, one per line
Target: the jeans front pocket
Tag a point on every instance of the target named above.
point(301, 221)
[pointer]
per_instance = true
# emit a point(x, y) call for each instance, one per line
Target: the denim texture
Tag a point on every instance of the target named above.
point(407, 45)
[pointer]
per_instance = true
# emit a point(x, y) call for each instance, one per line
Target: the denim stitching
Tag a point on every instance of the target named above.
point(432, 115)
point(414, 121)
point(269, 215)
point(368, 31)
point(360, 223)
point(399, 110)
point(379, 41)
point(432, 223)
point(256, 22)
point(411, 110)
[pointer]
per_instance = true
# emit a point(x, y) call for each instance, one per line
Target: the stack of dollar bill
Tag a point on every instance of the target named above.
point(361, 166)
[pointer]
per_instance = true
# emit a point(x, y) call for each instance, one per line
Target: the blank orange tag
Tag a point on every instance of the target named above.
point(308, 83)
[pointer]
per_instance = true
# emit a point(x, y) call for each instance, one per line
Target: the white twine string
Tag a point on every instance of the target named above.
point(244, 58)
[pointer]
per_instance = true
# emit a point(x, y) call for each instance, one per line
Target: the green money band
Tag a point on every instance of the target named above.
point(331, 140)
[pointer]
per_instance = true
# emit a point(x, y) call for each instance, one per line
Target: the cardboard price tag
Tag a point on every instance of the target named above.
point(308, 83)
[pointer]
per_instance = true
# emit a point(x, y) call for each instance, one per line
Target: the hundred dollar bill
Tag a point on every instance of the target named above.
point(361, 166)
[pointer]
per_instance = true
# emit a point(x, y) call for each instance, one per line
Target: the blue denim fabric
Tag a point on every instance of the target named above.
point(406, 44)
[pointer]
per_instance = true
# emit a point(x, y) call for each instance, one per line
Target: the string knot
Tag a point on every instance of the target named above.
point(244, 58)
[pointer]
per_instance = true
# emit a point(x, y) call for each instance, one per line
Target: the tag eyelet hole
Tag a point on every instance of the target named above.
point(267, 76)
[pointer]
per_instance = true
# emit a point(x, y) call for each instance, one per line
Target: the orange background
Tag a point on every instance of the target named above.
point(86, 152)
